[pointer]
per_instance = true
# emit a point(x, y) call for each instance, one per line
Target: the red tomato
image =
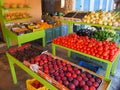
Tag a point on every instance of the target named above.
point(106, 57)
point(100, 48)
point(112, 52)
point(100, 52)
point(111, 57)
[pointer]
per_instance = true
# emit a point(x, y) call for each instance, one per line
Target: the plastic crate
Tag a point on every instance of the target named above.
point(30, 87)
point(64, 29)
point(89, 66)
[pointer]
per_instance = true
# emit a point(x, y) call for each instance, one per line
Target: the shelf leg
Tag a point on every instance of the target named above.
point(115, 64)
point(43, 41)
point(12, 71)
point(69, 53)
point(107, 74)
point(53, 49)
point(8, 41)
point(70, 28)
point(19, 44)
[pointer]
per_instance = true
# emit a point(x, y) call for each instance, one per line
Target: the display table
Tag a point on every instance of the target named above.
point(104, 85)
point(71, 22)
point(20, 39)
point(13, 61)
point(111, 66)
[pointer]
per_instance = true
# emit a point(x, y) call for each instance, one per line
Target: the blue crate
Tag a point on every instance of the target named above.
point(89, 66)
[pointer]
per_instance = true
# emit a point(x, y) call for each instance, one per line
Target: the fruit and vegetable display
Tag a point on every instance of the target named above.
point(45, 25)
point(66, 74)
point(100, 35)
point(101, 49)
point(16, 15)
point(24, 52)
point(85, 32)
point(104, 35)
point(103, 18)
point(23, 28)
point(59, 72)
point(95, 17)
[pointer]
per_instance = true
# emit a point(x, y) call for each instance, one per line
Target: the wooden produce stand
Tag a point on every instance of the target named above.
point(47, 80)
point(20, 39)
point(111, 66)
point(18, 7)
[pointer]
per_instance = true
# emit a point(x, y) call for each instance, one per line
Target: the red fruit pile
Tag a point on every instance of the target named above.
point(24, 52)
point(37, 84)
point(101, 49)
point(66, 74)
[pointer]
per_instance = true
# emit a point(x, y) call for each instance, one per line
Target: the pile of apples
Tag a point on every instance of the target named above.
point(101, 49)
point(104, 18)
point(66, 74)
point(24, 52)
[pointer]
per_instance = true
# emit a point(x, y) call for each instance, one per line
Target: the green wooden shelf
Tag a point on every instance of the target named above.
point(25, 8)
point(98, 25)
point(9, 21)
point(20, 39)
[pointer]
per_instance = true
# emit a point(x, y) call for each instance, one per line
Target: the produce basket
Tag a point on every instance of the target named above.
point(30, 87)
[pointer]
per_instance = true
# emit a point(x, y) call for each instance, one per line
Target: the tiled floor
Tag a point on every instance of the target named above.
point(6, 82)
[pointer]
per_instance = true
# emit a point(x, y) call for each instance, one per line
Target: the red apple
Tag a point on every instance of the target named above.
point(79, 78)
point(71, 86)
point(82, 83)
point(92, 88)
point(58, 78)
point(83, 75)
point(70, 79)
point(77, 72)
point(89, 83)
point(96, 84)
point(92, 79)
point(68, 74)
point(89, 75)
point(74, 75)
point(61, 75)
point(64, 78)
point(75, 82)
point(98, 80)
point(51, 70)
point(49, 63)
point(37, 58)
point(41, 63)
point(75, 68)
point(85, 87)
point(69, 69)
point(56, 73)
point(85, 79)
point(64, 68)
point(65, 82)
point(63, 63)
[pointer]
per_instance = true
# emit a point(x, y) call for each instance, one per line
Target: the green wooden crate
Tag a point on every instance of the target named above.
point(56, 31)
point(48, 35)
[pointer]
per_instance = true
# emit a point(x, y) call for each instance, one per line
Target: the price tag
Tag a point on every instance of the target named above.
point(109, 39)
point(34, 67)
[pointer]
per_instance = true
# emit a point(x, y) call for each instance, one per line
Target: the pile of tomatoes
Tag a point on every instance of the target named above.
point(101, 49)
